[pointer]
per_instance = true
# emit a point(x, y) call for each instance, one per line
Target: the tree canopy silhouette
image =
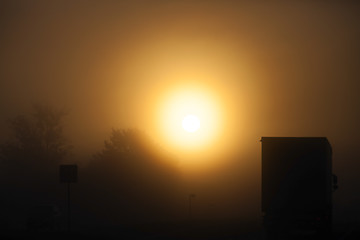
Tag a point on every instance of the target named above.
point(38, 138)
point(132, 178)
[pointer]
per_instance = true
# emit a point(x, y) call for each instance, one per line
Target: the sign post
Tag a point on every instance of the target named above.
point(68, 174)
point(191, 195)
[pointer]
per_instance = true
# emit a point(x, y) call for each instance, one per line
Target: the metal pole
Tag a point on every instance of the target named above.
point(68, 207)
point(190, 206)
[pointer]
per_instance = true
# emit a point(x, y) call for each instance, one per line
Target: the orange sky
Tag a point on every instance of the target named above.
point(274, 69)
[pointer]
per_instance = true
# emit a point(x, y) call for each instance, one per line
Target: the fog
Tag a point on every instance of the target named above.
point(287, 68)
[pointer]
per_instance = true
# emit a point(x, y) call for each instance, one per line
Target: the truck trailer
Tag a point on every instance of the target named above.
point(297, 186)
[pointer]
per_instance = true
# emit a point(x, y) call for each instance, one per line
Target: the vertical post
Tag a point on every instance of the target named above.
point(68, 208)
point(68, 174)
point(190, 206)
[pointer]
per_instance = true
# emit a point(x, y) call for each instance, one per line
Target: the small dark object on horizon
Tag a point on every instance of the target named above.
point(68, 173)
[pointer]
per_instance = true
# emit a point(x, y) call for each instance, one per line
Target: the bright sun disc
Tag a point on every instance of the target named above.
point(191, 123)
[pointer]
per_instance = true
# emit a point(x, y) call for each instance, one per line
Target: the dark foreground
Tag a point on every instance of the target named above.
point(203, 230)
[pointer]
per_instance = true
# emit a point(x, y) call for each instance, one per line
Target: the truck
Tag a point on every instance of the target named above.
point(297, 186)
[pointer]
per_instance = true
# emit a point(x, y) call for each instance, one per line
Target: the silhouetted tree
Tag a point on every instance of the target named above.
point(29, 160)
point(132, 178)
point(36, 138)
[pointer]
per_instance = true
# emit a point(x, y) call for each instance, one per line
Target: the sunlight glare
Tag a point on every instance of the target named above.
point(191, 123)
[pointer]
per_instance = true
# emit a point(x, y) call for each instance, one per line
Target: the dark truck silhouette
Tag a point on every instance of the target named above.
point(297, 186)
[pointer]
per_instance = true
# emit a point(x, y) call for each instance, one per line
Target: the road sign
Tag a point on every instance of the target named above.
point(68, 173)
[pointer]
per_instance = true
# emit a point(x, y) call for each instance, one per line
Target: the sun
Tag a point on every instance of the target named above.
point(191, 123)
point(188, 118)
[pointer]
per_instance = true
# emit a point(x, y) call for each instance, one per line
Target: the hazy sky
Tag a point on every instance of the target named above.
point(289, 68)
